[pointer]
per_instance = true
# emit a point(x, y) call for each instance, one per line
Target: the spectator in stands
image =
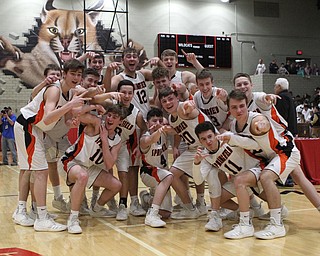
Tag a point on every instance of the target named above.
point(308, 70)
point(7, 121)
point(300, 71)
point(315, 70)
point(306, 111)
point(261, 68)
point(288, 65)
point(315, 122)
point(294, 67)
point(282, 70)
point(273, 67)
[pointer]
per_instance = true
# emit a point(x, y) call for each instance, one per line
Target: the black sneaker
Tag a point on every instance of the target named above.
point(13, 164)
point(4, 164)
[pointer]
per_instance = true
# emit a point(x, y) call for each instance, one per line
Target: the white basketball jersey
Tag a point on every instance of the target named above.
point(277, 141)
point(214, 108)
point(185, 128)
point(229, 159)
point(157, 154)
point(128, 125)
point(177, 77)
point(87, 151)
point(33, 112)
point(257, 104)
point(141, 93)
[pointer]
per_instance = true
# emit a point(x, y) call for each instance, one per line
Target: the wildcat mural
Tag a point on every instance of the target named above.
point(60, 36)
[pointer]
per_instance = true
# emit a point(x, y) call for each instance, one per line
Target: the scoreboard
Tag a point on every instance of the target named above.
point(211, 51)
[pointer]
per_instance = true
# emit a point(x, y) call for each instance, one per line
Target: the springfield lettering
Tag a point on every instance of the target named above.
point(181, 127)
point(223, 157)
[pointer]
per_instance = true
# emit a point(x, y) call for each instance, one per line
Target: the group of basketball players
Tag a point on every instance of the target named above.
point(236, 142)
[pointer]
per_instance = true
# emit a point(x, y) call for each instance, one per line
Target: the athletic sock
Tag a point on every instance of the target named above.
point(276, 214)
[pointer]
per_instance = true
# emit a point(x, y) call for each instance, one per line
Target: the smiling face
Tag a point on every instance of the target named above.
point(90, 81)
point(97, 64)
point(127, 91)
point(170, 103)
point(161, 82)
point(170, 62)
point(112, 120)
point(244, 84)
point(130, 62)
point(205, 86)
point(73, 77)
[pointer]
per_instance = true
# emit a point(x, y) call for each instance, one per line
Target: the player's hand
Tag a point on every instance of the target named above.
point(188, 106)
point(200, 155)
point(191, 57)
point(117, 96)
point(51, 79)
point(271, 98)
point(103, 132)
point(114, 66)
point(78, 100)
point(224, 137)
point(221, 94)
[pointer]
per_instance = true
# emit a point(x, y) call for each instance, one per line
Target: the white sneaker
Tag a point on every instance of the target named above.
point(105, 213)
point(60, 204)
point(223, 212)
point(258, 210)
point(22, 218)
point(214, 223)
point(145, 196)
point(48, 224)
point(113, 206)
point(153, 219)
point(122, 213)
point(202, 208)
point(239, 231)
point(186, 214)
point(34, 214)
point(284, 214)
point(136, 209)
point(74, 225)
point(271, 231)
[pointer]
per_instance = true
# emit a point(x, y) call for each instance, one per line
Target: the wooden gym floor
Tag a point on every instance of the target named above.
point(105, 236)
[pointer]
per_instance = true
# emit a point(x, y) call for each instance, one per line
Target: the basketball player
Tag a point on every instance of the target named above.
point(216, 157)
point(89, 160)
point(170, 60)
point(278, 147)
point(130, 61)
point(39, 116)
point(183, 118)
point(209, 99)
point(154, 172)
point(129, 151)
point(263, 103)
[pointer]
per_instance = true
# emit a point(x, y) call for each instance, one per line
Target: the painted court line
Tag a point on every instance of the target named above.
point(134, 239)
